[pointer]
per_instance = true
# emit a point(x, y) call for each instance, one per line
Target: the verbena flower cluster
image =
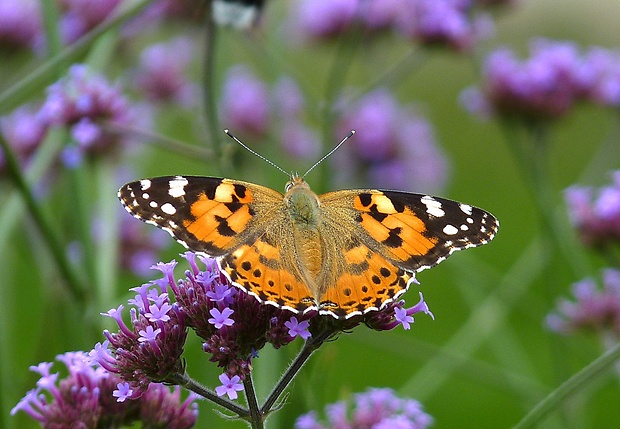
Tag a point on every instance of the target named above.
point(389, 139)
point(592, 309)
point(595, 213)
point(452, 23)
point(85, 398)
point(84, 102)
point(233, 325)
point(374, 409)
point(555, 77)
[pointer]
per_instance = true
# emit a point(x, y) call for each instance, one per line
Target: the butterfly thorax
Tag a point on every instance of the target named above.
point(305, 214)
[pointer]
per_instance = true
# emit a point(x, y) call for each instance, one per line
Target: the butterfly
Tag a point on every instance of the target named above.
point(343, 253)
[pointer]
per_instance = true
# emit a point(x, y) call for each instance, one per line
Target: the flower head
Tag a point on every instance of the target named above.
point(90, 396)
point(161, 73)
point(596, 213)
point(150, 349)
point(593, 308)
point(389, 139)
point(245, 103)
point(20, 23)
point(375, 408)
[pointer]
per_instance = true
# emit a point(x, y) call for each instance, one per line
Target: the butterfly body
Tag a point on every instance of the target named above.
point(343, 253)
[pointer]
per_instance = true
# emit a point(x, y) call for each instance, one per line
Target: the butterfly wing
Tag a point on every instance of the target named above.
point(240, 223)
point(391, 235)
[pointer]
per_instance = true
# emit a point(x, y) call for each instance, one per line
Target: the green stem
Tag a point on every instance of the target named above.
point(77, 289)
point(310, 346)
point(185, 381)
point(256, 418)
point(221, 151)
point(569, 387)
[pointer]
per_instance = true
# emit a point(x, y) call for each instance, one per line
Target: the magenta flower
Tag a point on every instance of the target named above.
point(245, 103)
point(596, 213)
point(230, 386)
point(296, 328)
point(85, 398)
point(375, 408)
point(593, 309)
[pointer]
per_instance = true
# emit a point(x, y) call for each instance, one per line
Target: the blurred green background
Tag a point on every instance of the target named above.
point(484, 361)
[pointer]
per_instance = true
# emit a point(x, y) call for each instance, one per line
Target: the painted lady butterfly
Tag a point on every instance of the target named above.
point(343, 253)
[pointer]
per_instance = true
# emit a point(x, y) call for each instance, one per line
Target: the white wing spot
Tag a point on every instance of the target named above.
point(168, 209)
point(146, 195)
point(177, 187)
point(470, 220)
point(433, 207)
point(450, 229)
point(464, 227)
point(466, 208)
point(145, 184)
point(153, 204)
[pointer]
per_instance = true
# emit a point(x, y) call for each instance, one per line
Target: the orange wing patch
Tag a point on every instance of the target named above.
point(370, 282)
point(258, 270)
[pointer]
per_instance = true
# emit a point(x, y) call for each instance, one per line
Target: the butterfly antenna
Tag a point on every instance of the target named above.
point(255, 153)
point(330, 152)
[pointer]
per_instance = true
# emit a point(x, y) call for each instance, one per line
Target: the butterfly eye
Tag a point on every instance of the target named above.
point(288, 186)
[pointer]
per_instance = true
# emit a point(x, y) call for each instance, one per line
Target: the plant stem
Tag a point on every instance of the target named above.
point(566, 389)
point(187, 382)
point(76, 287)
point(311, 345)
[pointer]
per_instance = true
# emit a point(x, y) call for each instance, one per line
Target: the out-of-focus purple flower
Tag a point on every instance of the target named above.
point(86, 398)
point(245, 103)
point(20, 23)
point(322, 19)
point(443, 22)
point(548, 83)
point(375, 408)
point(230, 386)
point(380, 15)
point(161, 74)
point(592, 309)
point(299, 141)
point(80, 16)
point(596, 213)
point(390, 139)
point(85, 102)
point(24, 131)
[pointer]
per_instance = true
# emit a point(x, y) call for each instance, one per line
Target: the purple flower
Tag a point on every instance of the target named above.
point(80, 16)
point(593, 309)
point(596, 213)
point(443, 22)
point(122, 392)
point(322, 19)
point(150, 350)
point(85, 398)
point(375, 408)
point(220, 318)
point(245, 103)
point(230, 386)
point(161, 75)
point(299, 141)
point(546, 85)
point(389, 139)
point(20, 23)
point(24, 131)
point(401, 316)
point(296, 328)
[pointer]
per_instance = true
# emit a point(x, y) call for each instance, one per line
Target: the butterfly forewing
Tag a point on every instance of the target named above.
point(205, 214)
point(419, 231)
